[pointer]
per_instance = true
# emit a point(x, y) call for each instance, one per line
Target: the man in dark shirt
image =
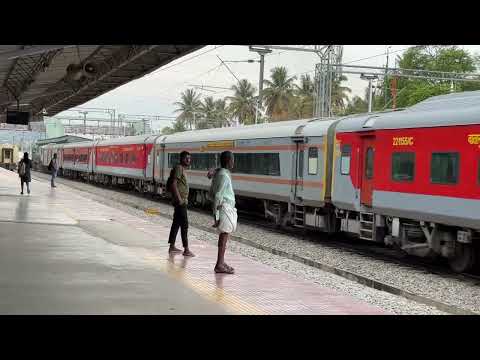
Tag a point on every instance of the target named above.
point(180, 190)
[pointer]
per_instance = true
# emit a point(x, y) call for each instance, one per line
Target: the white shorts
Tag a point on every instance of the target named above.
point(228, 219)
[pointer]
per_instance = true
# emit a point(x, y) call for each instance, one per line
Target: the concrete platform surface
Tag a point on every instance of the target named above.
point(61, 253)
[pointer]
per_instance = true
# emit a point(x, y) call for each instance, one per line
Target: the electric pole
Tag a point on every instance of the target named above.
point(385, 79)
point(262, 53)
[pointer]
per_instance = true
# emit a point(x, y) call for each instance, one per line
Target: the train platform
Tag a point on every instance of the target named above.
point(62, 253)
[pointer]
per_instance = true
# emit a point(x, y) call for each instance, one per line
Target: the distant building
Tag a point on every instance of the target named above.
point(54, 127)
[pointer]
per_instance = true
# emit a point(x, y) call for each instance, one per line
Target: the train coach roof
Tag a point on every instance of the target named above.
point(444, 110)
point(128, 140)
point(267, 130)
point(318, 127)
point(78, 145)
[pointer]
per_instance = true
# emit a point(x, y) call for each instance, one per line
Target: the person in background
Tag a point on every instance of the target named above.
point(24, 167)
point(180, 190)
point(53, 167)
point(224, 212)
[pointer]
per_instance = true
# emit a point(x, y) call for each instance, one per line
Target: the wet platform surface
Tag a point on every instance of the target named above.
point(61, 253)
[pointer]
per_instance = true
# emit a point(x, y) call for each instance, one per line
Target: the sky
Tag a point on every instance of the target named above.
point(155, 93)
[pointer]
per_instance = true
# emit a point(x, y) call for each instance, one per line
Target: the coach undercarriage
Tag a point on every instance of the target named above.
point(418, 238)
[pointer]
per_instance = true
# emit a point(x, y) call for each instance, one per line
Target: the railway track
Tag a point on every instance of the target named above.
point(352, 245)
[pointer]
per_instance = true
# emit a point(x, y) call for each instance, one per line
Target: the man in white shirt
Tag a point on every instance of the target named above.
point(224, 211)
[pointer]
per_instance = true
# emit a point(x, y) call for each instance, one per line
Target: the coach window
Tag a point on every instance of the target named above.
point(257, 163)
point(345, 159)
point(444, 168)
point(403, 166)
point(369, 164)
point(312, 160)
point(300, 163)
point(173, 160)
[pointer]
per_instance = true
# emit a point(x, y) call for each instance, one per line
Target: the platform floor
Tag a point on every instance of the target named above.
point(61, 253)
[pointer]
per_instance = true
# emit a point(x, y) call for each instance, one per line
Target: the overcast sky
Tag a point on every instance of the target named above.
point(155, 93)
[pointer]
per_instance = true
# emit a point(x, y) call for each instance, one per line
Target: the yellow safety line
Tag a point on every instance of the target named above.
point(204, 288)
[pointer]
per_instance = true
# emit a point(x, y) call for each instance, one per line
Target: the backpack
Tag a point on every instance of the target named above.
point(170, 180)
point(22, 168)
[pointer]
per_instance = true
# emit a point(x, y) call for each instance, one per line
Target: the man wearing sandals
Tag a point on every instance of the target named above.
point(224, 211)
point(180, 192)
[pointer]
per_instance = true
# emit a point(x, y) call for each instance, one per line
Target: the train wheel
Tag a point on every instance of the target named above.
point(464, 258)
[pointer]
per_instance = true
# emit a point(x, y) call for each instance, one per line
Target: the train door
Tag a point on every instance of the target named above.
point(93, 157)
point(367, 171)
point(7, 156)
point(298, 167)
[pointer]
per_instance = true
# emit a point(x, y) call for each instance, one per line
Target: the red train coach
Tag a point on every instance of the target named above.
point(412, 177)
point(125, 160)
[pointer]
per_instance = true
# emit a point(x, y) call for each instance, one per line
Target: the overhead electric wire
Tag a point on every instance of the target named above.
point(181, 62)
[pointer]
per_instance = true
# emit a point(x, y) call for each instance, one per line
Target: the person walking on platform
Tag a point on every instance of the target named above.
point(177, 184)
point(224, 212)
point(53, 167)
point(24, 168)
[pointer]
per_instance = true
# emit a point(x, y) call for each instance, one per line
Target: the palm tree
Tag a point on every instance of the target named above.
point(222, 113)
point(302, 106)
point(242, 103)
point(207, 111)
point(189, 107)
point(278, 93)
point(339, 95)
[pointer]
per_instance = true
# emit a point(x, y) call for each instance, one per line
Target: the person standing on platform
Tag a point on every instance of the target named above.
point(24, 172)
point(177, 184)
point(224, 212)
point(53, 167)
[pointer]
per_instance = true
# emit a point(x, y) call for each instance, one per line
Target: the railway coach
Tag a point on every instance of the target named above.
point(408, 178)
point(270, 164)
point(412, 178)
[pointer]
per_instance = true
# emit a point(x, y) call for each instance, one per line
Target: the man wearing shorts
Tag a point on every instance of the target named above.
point(224, 209)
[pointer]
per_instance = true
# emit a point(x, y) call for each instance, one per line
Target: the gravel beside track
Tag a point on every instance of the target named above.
point(451, 290)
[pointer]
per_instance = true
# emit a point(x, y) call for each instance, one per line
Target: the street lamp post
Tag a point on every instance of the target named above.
point(370, 78)
point(84, 121)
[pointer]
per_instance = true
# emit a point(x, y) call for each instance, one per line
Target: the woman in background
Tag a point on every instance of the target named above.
point(24, 168)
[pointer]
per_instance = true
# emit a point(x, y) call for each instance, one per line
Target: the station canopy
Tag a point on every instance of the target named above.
point(48, 79)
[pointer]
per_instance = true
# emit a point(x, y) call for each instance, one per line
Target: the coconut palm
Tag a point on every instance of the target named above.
point(242, 103)
point(189, 107)
point(339, 95)
point(302, 104)
point(222, 113)
point(207, 113)
point(278, 93)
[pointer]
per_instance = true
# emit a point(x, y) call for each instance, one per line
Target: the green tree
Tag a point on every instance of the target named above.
point(339, 95)
point(222, 113)
point(207, 114)
point(243, 102)
point(189, 107)
point(179, 126)
point(434, 58)
point(356, 106)
point(302, 104)
point(167, 130)
point(278, 94)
